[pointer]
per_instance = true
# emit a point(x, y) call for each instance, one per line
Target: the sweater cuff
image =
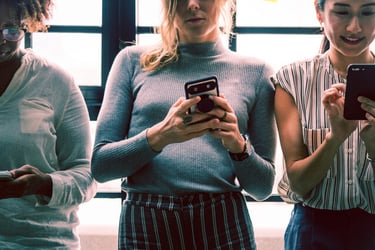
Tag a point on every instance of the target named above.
point(57, 193)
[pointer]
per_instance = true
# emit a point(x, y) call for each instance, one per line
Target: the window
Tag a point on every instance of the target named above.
point(74, 40)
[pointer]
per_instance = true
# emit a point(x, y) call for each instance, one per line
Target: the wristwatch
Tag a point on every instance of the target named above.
point(244, 154)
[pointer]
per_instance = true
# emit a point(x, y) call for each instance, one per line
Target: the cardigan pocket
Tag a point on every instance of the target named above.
point(36, 116)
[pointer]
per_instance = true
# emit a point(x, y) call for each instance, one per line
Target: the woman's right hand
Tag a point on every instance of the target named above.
point(333, 101)
point(178, 125)
point(27, 180)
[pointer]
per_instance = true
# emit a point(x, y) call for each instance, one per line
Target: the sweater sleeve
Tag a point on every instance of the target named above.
point(113, 148)
point(256, 173)
point(72, 182)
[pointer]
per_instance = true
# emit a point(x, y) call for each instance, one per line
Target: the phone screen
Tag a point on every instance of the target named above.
point(360, 81)
point(203, 88)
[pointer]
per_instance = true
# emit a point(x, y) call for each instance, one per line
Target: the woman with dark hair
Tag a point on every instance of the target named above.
point(330, 161)
point(44, 139)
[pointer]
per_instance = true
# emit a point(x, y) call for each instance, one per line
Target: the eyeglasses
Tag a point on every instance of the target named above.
point(13, 34)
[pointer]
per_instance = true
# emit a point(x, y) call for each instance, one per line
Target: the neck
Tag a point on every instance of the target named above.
point(16, 59)
point(8, 69)
point(340, 62)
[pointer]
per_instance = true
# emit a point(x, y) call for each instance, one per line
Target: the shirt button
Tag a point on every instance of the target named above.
point(350, 182)
point(350, 151)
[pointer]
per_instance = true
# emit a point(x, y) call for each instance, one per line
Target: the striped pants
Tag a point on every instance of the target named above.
point(198, 221)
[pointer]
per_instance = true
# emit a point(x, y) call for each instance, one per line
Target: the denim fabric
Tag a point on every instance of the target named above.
point(316, 229)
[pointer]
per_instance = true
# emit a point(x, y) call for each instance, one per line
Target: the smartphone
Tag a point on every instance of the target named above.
point(204, 88)
point(360, 81)
point(5, 176)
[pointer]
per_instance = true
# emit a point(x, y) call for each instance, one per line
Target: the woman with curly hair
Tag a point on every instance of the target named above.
point(44, 139)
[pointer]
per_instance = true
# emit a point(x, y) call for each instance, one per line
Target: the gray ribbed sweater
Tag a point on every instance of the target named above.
point(136, 100)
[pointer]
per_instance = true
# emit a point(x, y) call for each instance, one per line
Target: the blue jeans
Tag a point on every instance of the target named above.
point(317, 229)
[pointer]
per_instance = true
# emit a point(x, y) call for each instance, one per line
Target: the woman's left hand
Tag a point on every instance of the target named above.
point(227, 126)
point(368, 126)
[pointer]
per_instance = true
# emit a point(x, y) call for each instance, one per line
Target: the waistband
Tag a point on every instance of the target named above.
point(357, 212)
point(172, 202)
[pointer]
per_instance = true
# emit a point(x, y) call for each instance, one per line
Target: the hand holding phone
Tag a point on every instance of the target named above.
point(203, 88)
point(360, 81)
point(5, 176)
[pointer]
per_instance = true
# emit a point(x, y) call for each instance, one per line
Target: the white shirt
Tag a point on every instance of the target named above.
point(349, 183)
point(44, 122)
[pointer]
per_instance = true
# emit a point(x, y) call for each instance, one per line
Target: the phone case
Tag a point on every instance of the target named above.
point(360, 81)
point(5, 176)
point(203, 88)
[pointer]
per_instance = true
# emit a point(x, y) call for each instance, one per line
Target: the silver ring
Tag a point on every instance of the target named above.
point(224, 116)
point(181, 113)
point(186, 119)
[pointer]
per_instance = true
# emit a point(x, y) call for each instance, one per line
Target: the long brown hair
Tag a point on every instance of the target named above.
point(166, 52)
point(324, 45)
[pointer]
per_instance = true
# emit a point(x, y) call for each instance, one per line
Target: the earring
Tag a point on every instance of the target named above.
point(321, 27)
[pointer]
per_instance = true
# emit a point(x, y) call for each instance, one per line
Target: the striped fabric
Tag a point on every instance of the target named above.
point(350, 181)
point(198, 221)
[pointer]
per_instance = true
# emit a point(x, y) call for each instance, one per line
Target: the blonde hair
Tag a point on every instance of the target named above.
point(33, 13)
point(166, 52)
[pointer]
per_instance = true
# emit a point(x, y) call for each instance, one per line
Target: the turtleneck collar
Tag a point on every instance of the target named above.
point(202, 49)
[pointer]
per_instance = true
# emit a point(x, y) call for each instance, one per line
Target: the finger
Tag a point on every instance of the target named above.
point(370, 118)
point(24, 170)
point(333, 92)
point(339, 87)
point(187, 119)
point(12, 173)
point(178, 102)
point(222, 103)
point(187, 103)
point(331, 95)
point(222, 118)
point(363, 99)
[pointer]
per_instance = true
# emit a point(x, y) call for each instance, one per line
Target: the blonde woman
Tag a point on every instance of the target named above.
point(184, 173)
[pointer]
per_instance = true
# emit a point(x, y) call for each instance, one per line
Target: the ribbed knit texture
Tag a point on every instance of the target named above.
point(136, 100)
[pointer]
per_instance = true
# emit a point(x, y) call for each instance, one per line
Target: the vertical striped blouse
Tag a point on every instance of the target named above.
point(350, 181)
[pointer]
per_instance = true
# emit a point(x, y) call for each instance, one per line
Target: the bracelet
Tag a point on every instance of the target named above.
point(370, 159)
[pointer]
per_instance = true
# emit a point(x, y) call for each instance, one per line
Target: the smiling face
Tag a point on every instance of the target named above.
point(197, 20)
point(8, 49)
point(349, 26)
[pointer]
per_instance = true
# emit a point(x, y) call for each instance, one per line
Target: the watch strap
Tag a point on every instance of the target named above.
point(244, 154)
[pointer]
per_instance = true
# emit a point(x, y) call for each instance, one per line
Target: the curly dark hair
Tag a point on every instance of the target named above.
point(32, 13)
